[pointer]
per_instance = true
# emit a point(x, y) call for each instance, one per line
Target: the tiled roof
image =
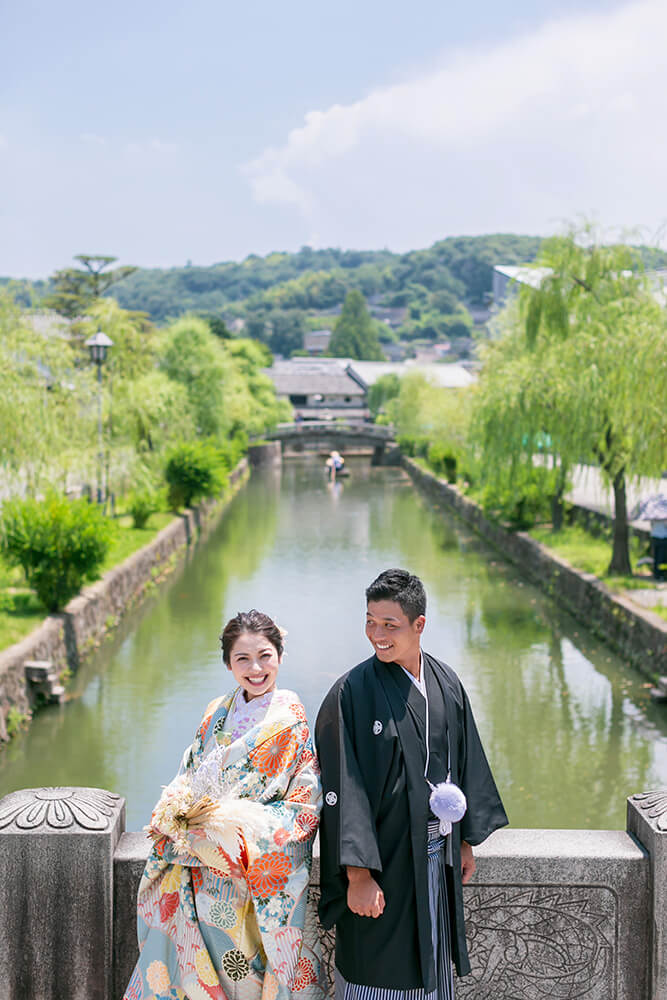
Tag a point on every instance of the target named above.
point(305, 376)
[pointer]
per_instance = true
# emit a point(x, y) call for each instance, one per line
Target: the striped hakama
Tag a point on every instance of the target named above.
point(440, 936)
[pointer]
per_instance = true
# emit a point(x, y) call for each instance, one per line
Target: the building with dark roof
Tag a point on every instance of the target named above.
point(321, 388)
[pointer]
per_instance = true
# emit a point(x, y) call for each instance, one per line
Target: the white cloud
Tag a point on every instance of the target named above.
point(519, 135)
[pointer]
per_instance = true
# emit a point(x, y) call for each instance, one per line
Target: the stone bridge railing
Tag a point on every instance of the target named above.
point(567, 914)
point(323, 428)
point(335, 434)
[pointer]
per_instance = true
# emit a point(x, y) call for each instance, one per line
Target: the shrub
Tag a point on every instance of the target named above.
point(414, 445)
point(141, 504)
point(406, 442)
point(195, 470)
point(233, 450)
point(422, 444)
point(16, 719)
point(58, 543)
point(442, 460)
point(522, 503)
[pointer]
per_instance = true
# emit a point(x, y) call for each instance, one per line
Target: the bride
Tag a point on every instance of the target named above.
point(222, 910)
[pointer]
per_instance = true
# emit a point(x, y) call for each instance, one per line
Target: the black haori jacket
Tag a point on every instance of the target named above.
point(370, 735)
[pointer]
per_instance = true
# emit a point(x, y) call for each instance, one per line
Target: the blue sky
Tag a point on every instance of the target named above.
point(169, 132)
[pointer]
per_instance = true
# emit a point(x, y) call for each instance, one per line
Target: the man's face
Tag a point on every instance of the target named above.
point(391, 633)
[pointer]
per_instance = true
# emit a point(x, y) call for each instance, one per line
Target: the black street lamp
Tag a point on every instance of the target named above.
point(99, 345)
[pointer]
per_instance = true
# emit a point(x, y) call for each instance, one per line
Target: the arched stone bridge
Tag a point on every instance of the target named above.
point(334, 434)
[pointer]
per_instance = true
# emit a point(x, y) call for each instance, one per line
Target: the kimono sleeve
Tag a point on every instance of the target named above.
point(348, 825)
point(485, 812)
point(293, 813)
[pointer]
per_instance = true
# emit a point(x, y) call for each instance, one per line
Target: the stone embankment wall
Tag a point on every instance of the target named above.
point(65, 639)
point(638, 636)
point(576, 914)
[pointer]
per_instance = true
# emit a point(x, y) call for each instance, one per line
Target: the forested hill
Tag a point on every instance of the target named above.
point(319, 279)
point(424, 296)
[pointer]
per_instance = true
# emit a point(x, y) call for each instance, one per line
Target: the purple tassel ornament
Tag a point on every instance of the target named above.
point(448, 803)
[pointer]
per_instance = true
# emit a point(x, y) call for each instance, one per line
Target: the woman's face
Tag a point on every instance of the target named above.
point(254, 662)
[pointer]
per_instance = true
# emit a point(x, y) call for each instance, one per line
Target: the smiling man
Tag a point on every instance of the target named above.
point(388, 732)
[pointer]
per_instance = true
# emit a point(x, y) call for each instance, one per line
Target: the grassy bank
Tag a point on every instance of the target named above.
point(21, 610)
point(583, 550)
point(591, 554)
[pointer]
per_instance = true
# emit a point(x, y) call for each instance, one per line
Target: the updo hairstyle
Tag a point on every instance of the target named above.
point(250, 621)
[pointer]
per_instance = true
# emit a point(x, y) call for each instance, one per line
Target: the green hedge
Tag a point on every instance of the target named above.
point(59, 544)
point(196, 470)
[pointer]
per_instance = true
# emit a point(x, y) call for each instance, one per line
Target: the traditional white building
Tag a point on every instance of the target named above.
point(321, 388)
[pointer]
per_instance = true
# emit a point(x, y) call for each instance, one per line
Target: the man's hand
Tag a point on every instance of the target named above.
point(468, 865)
point(364, 895)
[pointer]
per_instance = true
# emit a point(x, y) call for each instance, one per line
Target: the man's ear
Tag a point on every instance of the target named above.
point(420, 622)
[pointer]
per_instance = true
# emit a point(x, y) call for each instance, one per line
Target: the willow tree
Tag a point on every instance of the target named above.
point(520, 406)
point(43, 400)
point(425, 409)
point(585, 369)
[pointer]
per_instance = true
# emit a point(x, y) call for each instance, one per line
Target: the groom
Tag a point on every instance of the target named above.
point(387, 732)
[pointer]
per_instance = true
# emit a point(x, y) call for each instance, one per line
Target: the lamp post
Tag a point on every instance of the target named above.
point(99, 345)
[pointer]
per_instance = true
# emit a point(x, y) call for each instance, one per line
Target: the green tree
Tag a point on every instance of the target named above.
point(153, 412)
point(74, 289)
point(196, 358)
point(227, 392)
point(135, 339)
point(58, 543)
point(218, 326)
point(354, 334)
point(425, 411)
point(387, 387)
point(581, 372)
point(40, 382)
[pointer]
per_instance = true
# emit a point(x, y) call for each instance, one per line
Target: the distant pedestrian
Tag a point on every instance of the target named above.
point(659, 547)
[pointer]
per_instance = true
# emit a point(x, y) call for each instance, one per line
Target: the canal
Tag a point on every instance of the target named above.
point(569, 729)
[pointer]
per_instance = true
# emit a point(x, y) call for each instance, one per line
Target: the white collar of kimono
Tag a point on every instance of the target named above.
point(419, 682)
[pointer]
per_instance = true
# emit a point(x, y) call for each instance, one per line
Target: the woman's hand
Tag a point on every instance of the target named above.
point(364, 895)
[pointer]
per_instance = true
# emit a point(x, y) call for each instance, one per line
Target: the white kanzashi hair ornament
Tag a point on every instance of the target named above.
point(448, 803)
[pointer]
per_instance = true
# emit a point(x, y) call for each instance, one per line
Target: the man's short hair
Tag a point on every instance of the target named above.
point(400, 586)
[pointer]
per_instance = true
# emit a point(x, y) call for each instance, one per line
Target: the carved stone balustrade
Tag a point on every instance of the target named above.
point(647, 821)
point(56, 892)
point(551, 914)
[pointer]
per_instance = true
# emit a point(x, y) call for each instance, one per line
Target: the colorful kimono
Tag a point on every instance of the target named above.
point(211, 928)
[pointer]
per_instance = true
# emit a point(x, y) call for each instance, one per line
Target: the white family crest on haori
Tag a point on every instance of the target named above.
point(331, 798)
point(377, 727)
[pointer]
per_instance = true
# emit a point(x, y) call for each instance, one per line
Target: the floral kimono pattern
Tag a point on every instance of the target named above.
point(215, 928)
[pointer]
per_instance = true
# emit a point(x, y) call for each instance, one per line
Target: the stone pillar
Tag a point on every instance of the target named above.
point(270, 453)
point(647, 821)
point(128, 865)
point(56, 892)
point(378, 454)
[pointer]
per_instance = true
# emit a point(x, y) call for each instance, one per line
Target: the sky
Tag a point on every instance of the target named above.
point(166, 133)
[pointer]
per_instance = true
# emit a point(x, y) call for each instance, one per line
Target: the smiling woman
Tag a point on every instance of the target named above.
point(223, 900)
point(252, 648)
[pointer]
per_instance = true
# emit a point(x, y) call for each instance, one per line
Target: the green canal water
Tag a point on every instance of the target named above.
point(569, 729)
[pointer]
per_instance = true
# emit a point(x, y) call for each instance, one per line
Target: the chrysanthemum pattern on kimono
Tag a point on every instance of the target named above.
point(215, 927)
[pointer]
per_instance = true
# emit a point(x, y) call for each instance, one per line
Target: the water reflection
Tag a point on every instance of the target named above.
point(570, 732)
